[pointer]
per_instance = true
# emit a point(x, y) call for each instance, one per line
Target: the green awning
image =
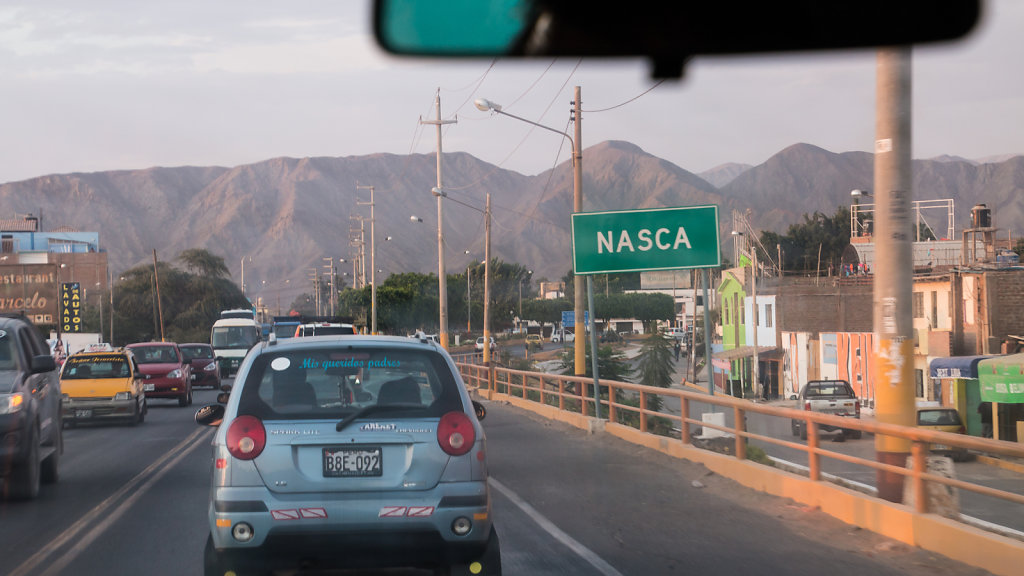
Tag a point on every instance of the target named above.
point(1002, 379)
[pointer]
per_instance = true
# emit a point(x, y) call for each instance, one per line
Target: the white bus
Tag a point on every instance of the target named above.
point(232, 336)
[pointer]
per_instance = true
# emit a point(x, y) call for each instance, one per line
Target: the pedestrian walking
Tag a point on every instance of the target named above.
point(677, 347)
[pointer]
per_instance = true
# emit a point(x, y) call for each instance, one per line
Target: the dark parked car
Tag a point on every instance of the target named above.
point(205, 368)
point(167, 374)
point(31, 437)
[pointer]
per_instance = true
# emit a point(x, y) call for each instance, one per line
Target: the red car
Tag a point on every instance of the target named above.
point(167, 373)
point(205, 369)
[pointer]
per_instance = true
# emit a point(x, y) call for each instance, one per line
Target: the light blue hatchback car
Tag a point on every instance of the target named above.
point(348, 452)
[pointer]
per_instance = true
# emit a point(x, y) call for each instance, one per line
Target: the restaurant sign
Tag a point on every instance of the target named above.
point(29, 289)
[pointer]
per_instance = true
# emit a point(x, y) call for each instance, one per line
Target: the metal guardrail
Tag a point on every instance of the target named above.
point(628, 404)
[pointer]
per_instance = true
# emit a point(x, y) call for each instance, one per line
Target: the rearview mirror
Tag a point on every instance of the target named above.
point(667, 31)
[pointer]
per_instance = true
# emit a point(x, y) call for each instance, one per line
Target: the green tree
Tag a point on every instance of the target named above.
point(800, 246)
point(203, 262)
point(191, 302)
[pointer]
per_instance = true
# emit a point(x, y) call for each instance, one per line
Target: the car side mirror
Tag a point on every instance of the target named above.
point(43, 363)
point(793, 397)
point(481, 412)
point(210, 415)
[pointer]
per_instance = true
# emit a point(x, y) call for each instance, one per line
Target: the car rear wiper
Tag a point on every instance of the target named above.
point(366, 410)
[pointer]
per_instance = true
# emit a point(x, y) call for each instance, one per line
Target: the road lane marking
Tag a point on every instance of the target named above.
point(146, 478)
point(568, 541)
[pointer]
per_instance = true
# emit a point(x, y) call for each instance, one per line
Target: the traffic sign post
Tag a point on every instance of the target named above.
point(642, 240)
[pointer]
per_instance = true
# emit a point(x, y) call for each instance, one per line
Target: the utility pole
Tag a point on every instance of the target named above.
point(758, 389)
point(893, 278)
point(487, 281)
point(442, 281)
point(159, 306)
point(373, 260)
point(579, 292)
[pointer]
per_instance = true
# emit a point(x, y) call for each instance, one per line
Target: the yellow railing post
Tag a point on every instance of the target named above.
point(740, 425)
point(813, 460)
point(643, 412)
point(919, 456)
point(684, 413)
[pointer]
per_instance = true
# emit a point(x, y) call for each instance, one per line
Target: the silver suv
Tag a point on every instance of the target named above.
point(348, 452)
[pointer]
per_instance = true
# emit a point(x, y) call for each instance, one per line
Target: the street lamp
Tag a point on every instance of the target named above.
point(855, 224)
point(580, 354)
point(521, 295)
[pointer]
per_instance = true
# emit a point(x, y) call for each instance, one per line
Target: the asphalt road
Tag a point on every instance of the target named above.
point(132, 500)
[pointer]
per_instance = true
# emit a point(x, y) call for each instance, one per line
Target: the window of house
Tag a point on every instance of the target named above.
point(918, 301)
point(767, 315)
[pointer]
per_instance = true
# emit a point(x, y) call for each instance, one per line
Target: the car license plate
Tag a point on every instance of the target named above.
point(83, 413)
point(148, 387)
point(349, 462)
point(194, 376)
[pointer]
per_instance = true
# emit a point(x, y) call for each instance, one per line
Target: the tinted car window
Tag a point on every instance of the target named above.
point(156, 354)
point(8, 354)
point(324, 383)
point(829, 389)
point(201, 352)
point(938, 418)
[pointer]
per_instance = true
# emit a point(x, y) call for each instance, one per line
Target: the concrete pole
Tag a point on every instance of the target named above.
point(756, 321)
point(487, 281)
point(373, 261)
point(893, 278)
point(579, 292)
point(442, 281)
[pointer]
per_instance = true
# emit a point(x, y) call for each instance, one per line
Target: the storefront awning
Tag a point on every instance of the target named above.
point(956, 367)
point(746, 351)
point(1001, 379)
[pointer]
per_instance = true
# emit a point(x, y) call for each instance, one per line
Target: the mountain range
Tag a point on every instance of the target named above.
point(284, 216)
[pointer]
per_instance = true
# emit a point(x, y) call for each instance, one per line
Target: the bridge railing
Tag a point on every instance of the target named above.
point(634, 405)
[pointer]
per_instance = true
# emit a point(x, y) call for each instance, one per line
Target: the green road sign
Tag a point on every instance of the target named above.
point(635, 240)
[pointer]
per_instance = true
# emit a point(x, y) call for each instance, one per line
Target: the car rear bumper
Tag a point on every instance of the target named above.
point(206, 379)
point(92, 409)
point(164, 388)
point(352, 529)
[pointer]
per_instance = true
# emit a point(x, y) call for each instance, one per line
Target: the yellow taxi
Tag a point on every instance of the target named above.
point(102, 386)
point(534, 341)
point(943, 420)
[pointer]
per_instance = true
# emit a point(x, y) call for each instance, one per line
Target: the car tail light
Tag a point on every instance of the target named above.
point(856, 407)
point(807, 405)
point(246, 437)
point(455, 433)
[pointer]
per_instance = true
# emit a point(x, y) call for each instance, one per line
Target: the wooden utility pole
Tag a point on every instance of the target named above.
point(159, 306)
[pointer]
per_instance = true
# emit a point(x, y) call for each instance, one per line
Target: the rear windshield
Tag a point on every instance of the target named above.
point(325, 383)
point(285, 330)
point(155, 355)
point(200, 352)
point(938, 418)
point(88, 367)
point(828, 389)
point(326, 330)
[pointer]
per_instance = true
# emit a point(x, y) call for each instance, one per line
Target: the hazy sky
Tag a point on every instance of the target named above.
point(118, 84)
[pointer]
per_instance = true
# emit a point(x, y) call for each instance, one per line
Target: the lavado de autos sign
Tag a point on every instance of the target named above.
point(641, 240)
